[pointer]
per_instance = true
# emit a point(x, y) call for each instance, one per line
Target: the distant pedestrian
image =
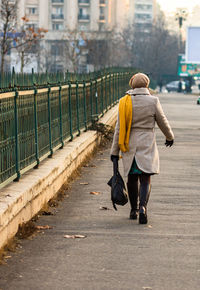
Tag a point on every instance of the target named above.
point(135, 137)
point(160, 85)
point(180, 86)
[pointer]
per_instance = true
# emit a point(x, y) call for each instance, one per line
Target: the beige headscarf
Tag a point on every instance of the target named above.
point(139, 80)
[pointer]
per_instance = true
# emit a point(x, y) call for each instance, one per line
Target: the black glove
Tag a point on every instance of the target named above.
point(169, 143)
point(114, 157)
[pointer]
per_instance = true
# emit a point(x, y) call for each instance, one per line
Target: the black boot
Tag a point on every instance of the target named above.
point(132, 186)
point(144, 197)
point(133, 214)
point(143, 215)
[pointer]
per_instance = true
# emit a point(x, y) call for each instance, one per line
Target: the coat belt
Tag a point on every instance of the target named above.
point(142, 129)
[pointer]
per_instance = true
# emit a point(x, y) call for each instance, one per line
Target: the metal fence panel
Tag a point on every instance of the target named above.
point(38, 112)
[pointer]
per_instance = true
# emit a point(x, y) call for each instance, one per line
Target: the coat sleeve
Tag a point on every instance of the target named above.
point(162, 122)
point(115, 147)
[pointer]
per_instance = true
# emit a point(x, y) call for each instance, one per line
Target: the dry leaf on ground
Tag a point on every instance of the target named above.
point(43, 227)
point(147, 288)
point(104, 208)
point(102, 159)
point(84, 183)
point(47, 213)
point(8, 257)
point(89, 165)
point(94, 192)
point(74, 236)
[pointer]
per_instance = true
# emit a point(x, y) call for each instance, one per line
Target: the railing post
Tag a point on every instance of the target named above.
point(49, 118)
point(70, 112)
point(110, 89)
point(96, 97)
point(17, 163)
point(118, 94)
point(113, 98)
point(60, 113)
point(91, 99)
point(77, 109)
point(102, 109)
point(35, 122)
point(106, 93)
point(36, 128)
point(85, 106)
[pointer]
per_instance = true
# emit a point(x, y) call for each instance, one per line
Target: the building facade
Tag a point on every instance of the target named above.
point(69, 20)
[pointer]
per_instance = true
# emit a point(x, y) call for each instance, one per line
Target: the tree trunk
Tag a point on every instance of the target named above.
point(22, 61)
point(2, 63)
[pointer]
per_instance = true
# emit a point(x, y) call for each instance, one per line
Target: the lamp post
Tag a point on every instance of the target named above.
point(181, 15)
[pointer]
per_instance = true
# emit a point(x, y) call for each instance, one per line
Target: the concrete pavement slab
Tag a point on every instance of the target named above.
point(118, 253)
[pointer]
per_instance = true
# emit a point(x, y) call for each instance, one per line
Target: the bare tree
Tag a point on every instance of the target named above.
point(28, 42)
point(100, 49)
point(74, 43)
point(153, 49)
point(8, 22)
point(24, 39)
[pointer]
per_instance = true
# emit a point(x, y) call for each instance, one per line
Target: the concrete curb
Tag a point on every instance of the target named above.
point(20, 201)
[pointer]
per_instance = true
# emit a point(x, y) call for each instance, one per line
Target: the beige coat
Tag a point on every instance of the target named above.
point(147, 111)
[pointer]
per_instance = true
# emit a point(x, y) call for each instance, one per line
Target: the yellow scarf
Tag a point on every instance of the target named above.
point(125, 121)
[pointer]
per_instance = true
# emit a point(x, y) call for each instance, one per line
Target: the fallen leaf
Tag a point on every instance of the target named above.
point(150, 226)
point(47, 213)
point(74, 236)
point(43, 227)
point(89, 165)
point(94, 192)
point(83, 183)
point(147, 288)
point(8, 257)
point(104, 208)
point(102, 159)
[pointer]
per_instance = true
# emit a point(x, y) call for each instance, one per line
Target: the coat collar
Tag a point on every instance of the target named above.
point(138, 91)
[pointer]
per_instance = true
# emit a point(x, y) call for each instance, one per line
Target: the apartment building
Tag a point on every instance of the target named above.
point(91, 18)
point(144, 14)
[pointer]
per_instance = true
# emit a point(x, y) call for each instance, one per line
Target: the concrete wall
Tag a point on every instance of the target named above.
point(20, 201)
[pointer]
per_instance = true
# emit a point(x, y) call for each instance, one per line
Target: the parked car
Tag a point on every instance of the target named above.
point(175, 86)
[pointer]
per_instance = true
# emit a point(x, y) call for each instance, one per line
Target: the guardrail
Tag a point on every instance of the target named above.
point(38, 112)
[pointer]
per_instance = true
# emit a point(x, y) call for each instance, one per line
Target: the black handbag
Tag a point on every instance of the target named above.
point(118, 190)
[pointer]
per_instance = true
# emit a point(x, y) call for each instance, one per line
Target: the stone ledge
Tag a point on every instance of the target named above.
point(20, 201)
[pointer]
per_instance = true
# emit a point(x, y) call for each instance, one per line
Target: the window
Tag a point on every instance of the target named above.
point(34, 26)
point(31, 10)
point(83, 14)
point(57, 1)
point(57, 49)
point(57, 10)
point(84, 1)
point(143, 16)
point(143, 7)
point(57, 26)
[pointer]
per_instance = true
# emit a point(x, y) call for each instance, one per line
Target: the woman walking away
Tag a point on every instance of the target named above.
point(134, 136)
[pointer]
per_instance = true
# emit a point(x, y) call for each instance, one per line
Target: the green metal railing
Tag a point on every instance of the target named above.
point(38, 112)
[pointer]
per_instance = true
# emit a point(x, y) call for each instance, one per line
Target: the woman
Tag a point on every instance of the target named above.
point(134, 136)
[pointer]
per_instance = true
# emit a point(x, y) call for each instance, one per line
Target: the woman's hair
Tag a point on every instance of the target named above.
point(139, 80)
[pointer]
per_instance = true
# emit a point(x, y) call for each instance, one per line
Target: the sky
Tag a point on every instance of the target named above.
point(172, 5)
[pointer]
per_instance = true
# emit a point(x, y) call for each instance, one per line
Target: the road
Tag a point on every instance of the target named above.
point(118, 253)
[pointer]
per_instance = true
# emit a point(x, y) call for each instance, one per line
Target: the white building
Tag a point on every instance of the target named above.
point(94, 19)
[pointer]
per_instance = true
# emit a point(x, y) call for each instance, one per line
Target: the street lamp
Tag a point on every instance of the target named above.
point(181, 15)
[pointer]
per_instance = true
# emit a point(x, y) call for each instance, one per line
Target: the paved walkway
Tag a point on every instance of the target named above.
point(117, 253)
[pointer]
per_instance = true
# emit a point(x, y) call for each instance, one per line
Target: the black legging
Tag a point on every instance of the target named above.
point(134, 191)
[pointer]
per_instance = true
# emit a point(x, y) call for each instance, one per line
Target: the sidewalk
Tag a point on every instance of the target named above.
point(117, 253)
